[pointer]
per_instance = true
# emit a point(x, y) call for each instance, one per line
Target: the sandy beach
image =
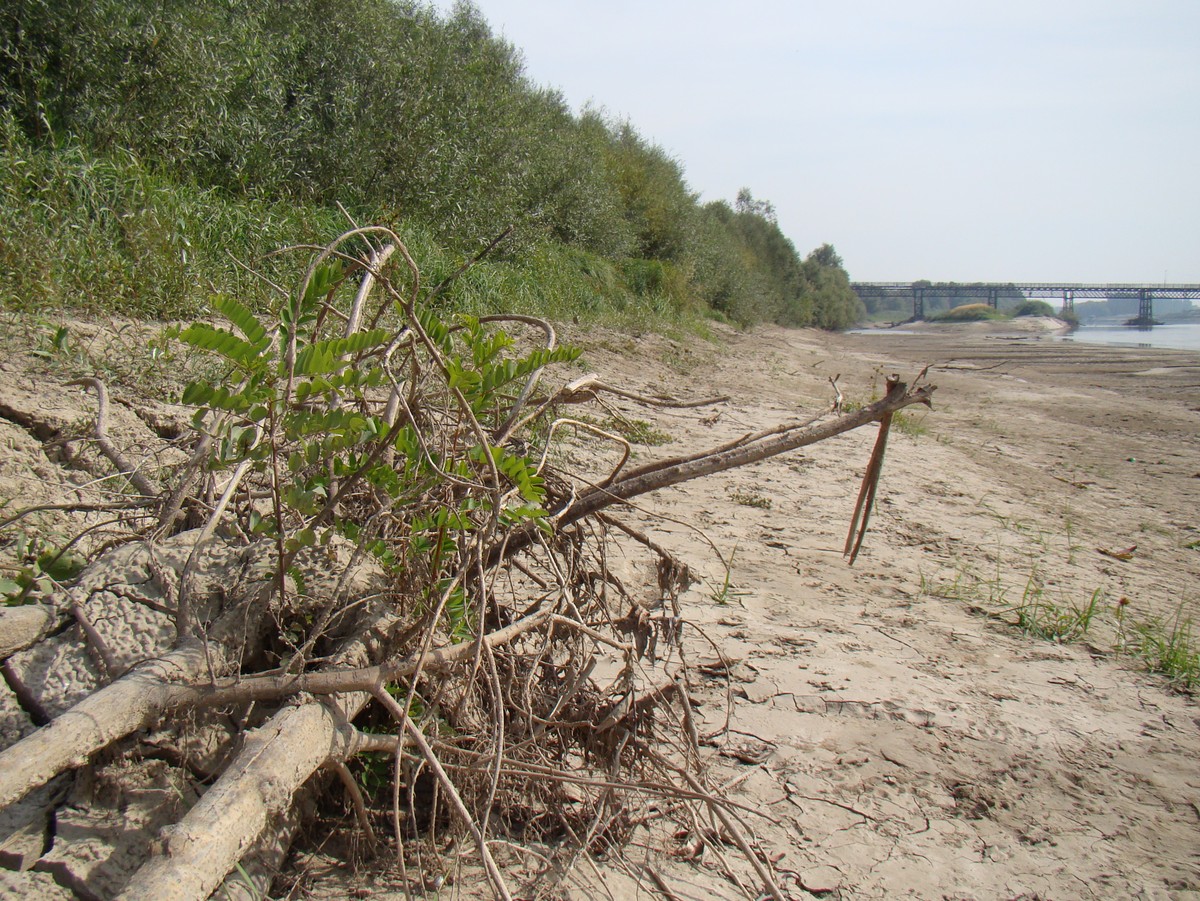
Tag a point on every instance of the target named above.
point(888, 728)
point(914, 741)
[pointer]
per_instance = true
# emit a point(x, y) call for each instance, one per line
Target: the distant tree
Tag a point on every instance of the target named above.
point(747, 204)
point(826, 255)
point(658, 205)
point(392, 109)
point(1034, 308)
point(833, 302)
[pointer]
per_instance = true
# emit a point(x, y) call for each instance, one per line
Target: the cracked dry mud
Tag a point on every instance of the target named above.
point(890, 733)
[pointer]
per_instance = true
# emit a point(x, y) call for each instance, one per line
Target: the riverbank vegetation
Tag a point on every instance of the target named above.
point(979, 312)
point(148, 154)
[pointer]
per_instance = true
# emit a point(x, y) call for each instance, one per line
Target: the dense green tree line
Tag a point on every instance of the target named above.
point(128, 110)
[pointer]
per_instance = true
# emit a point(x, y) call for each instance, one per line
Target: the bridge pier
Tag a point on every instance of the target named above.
point(918, 302)
point(993, 298)
point(1145, 307)
point(1068, 302)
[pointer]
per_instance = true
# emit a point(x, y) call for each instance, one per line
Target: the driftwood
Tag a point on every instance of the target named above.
point(275, 762)
point(474, 662)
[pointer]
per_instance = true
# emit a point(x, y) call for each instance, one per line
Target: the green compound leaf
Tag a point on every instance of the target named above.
point(322, 357)
point(239, 352)
point(239, 315)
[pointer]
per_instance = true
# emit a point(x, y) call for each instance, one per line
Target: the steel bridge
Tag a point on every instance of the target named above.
point(1068, 292)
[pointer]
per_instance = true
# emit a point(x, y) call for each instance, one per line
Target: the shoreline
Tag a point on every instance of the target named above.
point(1034, 328)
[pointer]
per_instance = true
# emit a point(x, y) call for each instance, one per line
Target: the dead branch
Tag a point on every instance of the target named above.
point(275, 761)
point(493, 871)
point(739, 839)
point(101, 507)
point(590, 386)
point(356, 799)
point(139, 480)
point(132, 702)
point(336, 681)
point(665, 473)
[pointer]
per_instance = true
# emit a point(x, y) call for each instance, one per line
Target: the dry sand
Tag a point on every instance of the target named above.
point(896, 734)
point(917, 744)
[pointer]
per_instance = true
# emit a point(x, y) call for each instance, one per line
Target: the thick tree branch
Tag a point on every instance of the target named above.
point(665, 473)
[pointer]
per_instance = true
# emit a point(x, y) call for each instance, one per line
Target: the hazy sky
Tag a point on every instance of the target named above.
point(941, 139)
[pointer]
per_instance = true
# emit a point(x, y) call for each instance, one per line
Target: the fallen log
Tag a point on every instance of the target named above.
point(133, 702)
point(276, 760)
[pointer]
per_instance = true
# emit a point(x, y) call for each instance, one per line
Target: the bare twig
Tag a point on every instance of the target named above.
point(139, 480)
point(356, 799)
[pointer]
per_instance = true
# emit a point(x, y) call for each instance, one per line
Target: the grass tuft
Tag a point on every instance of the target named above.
point(1061, 623)
point(1166, 646)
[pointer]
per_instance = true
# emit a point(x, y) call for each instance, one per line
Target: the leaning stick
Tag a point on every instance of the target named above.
point(654, 477)
point(870, 483)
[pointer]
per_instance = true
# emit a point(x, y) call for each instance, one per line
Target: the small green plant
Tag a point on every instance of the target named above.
point(1058, 622)
point(1035, 614)
point(1166, 646)
point(39, 566)
point(967, 586)
point(639, 431)
point(907, 424)
point(247, 883)
point(57, 343)
point(1072, 546)
point(298, 411)
point(750, 499)
point(726, 592)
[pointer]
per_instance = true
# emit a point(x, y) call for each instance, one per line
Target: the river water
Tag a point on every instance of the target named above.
point(1181, 335)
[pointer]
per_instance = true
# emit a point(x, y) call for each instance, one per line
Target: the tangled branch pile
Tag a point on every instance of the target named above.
point(374, 551)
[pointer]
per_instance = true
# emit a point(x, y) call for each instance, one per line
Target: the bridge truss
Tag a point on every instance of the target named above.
point(1068, 292)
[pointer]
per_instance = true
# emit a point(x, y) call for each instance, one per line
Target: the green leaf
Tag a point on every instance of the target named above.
point(330, 355)
point(323, 280)
point(240, 316)
point(197, 393)
point(61, 567)
point(237, 351)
